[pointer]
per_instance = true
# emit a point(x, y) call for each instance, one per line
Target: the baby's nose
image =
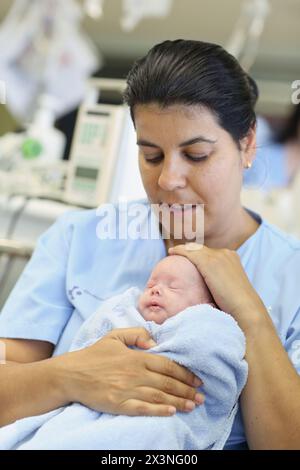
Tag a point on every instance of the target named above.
point(155, 290)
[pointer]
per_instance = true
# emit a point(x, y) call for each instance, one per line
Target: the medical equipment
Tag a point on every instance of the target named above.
point(2, 92)
point(246, 35)
point(103, 161)
point(40, 142)
point(15, 248)
point(133, 11)
point(94, 8)
point(22, 221)
point(10, 251)
point(44, 50)
point(31, 161)
point(136, 10)
point(35, 180)
point(103, 164)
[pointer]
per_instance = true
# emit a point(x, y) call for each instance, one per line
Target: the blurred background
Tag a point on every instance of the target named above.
point(66, 140)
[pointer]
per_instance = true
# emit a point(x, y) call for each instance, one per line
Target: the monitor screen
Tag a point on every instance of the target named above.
point(89, 173)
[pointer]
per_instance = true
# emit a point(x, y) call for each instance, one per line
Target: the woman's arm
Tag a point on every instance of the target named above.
point(107, 376)
point(29, 389)
point(270, 400)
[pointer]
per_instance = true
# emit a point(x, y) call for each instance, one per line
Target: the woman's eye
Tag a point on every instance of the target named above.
point(158, 158)
point(153, 159)
point(196, 158)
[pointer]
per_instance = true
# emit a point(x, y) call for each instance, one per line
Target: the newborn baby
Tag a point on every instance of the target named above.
point(174, 284)
point(174, 308)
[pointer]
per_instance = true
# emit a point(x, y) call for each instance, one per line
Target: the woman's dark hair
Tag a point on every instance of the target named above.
point(195, 73)
point(291, 129)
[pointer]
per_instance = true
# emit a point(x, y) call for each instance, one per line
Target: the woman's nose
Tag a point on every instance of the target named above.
point(172, 175)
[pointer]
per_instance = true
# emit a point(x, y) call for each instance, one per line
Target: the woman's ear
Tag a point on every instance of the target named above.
point(248, 148)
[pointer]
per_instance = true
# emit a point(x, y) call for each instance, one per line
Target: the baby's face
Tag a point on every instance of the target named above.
point(174, 284)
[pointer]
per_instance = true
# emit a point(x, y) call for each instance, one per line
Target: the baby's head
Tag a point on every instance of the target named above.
point(174, 284)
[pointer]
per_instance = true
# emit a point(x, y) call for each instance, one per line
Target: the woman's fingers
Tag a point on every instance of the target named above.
point(138, 337)
point(153, 400)
point(141, 338)
point(167, 368)
point(133, 407)
point(169, 392)
point(226, 279)
point(198, 254)
point(107, 374)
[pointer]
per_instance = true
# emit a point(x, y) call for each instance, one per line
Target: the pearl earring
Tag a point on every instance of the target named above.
point(249, 165)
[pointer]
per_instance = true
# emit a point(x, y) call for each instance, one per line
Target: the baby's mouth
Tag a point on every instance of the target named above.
point(154, 305)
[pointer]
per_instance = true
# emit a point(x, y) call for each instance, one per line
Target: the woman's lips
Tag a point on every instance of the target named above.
point(178, 208)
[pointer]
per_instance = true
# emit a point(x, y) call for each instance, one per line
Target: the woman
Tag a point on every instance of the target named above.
point(193, 109)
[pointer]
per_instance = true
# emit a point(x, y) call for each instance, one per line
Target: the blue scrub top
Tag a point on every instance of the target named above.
point(72, 271)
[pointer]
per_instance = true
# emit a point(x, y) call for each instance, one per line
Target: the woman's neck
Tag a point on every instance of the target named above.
point(231, 235)
point(234, 233)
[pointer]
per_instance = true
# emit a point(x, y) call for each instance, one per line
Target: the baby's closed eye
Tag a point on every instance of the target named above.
point(175, 287)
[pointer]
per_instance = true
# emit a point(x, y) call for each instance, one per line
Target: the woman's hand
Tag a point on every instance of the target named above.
point(110, 377)
point(226, 279)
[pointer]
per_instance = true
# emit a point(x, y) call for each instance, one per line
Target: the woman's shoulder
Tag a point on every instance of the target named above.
point(272, 263)
point(82, 219)
point(269, 247)
point(271, 256)
point(109, 222)
point(279, 239)
point(276, 255)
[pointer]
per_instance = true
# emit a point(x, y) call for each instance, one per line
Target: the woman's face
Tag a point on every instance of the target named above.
point(185, 157)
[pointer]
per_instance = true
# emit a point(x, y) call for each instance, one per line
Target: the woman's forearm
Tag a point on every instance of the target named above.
point(31, 389)
point(107, 376)
point(270, 400)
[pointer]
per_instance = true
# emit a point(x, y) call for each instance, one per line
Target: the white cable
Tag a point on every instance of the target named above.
point(94, 8)
point(135, 10)
point(247, 33)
